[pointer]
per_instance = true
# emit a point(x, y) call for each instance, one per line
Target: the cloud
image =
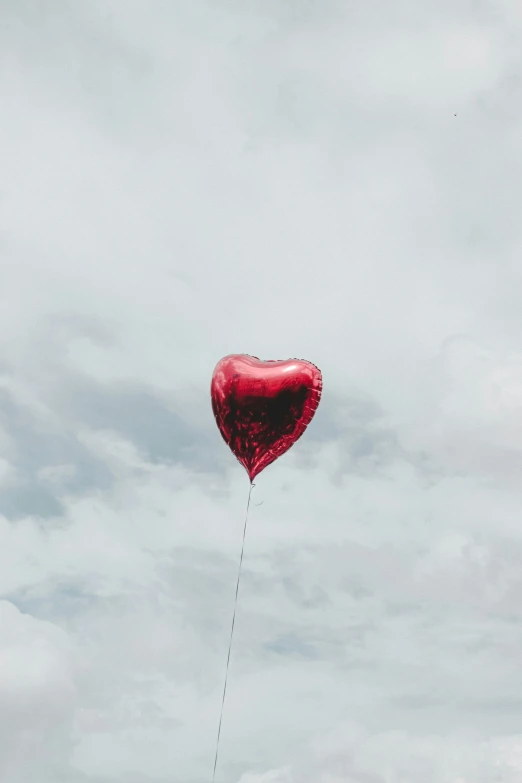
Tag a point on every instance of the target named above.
point(37, 696)
point(285, 179)
point(363, 759)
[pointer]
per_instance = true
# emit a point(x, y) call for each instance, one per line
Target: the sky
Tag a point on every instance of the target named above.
point(334, 181)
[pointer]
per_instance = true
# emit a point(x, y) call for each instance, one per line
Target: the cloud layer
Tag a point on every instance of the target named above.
point(320, 179)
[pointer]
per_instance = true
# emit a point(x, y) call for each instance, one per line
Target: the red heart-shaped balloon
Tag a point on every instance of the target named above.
point(262, 408)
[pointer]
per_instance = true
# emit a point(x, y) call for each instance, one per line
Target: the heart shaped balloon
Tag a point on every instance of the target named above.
point(262, 408)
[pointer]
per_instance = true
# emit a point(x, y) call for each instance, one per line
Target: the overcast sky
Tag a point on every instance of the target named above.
point(332, 180)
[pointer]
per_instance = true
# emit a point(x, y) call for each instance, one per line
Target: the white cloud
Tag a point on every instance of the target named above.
point(399, 756)
point(37, 695)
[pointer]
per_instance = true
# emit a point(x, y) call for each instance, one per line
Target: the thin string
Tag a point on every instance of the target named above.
point(231, 635)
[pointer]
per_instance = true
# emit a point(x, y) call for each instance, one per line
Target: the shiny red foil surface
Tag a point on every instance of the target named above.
point(262, 408)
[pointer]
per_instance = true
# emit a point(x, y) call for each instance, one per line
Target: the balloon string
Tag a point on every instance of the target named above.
point(231, 635)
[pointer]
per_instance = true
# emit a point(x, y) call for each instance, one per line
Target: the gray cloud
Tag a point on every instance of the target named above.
point(357, 425)
point(154, 423)
point(47, 460)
